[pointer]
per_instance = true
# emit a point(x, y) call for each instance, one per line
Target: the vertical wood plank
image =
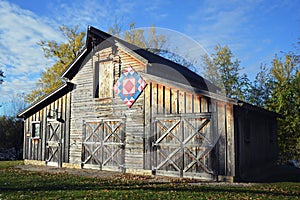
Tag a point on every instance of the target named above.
point(177, 102)
point(67, 125)
point(30, 145)
point(111, 82)
point(189, 103)
point(197, 104)
point(44, 130)
point(101, 81)
point(147, 133)
point(63, 113)
point(154, 98)
point(152, 123)
point(230, 140)
point(184, 102)
point(221, 128)
point(56, 106)
point(193, 103)
point(160, 108)
point(171, 100)
point(174, 101)
point(167, 100)
point(204, 104)
point(40, 145)
point(181, 100)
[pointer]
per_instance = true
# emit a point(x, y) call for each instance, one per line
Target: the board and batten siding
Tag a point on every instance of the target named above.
point(256, 139)
point(164, 98)
point(35, 146)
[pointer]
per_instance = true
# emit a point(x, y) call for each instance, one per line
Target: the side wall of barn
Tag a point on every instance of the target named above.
point(36, 127)
point(256, 140)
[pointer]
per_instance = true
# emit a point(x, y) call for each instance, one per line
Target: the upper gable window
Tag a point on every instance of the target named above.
point(103, 79)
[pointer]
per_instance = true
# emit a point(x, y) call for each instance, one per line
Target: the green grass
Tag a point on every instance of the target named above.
point(9, 164)
point(18, 184)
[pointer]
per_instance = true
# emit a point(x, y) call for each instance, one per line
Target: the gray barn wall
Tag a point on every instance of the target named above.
point(35, 148)
point(85, 107)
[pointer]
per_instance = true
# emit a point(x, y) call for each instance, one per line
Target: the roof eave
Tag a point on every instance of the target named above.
point(67, 71)
point(257, 109)
point(24, 113)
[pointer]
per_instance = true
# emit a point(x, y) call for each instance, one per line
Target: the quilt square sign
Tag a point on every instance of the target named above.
point(129, 86)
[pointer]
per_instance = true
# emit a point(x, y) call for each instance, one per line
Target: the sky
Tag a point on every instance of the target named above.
point(255, 30)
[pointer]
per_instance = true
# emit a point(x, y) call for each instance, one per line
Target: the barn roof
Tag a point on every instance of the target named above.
point(45, 100)
point(157, 65)
point(247, 106)
point(159, 68)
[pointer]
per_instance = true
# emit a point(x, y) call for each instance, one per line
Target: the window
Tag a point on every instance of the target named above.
point(35, 129)
point(103, 79)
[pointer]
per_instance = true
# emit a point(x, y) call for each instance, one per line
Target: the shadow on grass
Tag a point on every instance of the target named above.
point(274, 174)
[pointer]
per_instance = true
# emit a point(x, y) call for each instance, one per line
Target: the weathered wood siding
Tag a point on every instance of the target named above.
point(35, 147)
point(163, 99)
point(224, 127)
point(89, 103)
point(174, 127)
point(92, 99)
point(82, 108)
point(88, 106)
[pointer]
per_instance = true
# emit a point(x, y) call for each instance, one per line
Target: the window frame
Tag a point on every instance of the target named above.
point(34, 129)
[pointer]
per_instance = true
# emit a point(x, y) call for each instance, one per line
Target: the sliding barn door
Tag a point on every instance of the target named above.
point(182, 146)
point(103, 144)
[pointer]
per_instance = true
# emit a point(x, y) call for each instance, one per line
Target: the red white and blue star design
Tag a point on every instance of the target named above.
point(129, 86)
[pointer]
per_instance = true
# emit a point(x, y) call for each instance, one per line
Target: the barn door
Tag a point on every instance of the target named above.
point(54, 143)
point(103, 144)
point(182, 145)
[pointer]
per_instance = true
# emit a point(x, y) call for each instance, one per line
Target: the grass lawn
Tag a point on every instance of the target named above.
point(19, 184)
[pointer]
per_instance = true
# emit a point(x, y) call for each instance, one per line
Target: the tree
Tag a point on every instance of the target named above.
point(150, 40)
point(11, 134)
point(171, 55)
point(285, 100)
point(15, 105)
point(146, 39)
point(261, 88)
point(224, 71)
point(211, 71)
point(63, 54)
point(1, 76)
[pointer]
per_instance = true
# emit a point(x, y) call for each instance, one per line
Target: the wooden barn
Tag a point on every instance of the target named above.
point(126, 109)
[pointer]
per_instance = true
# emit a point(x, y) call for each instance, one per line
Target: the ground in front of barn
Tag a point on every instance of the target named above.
point(19, 181)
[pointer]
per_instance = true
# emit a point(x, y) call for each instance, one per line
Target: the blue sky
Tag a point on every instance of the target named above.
point(253, 29)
